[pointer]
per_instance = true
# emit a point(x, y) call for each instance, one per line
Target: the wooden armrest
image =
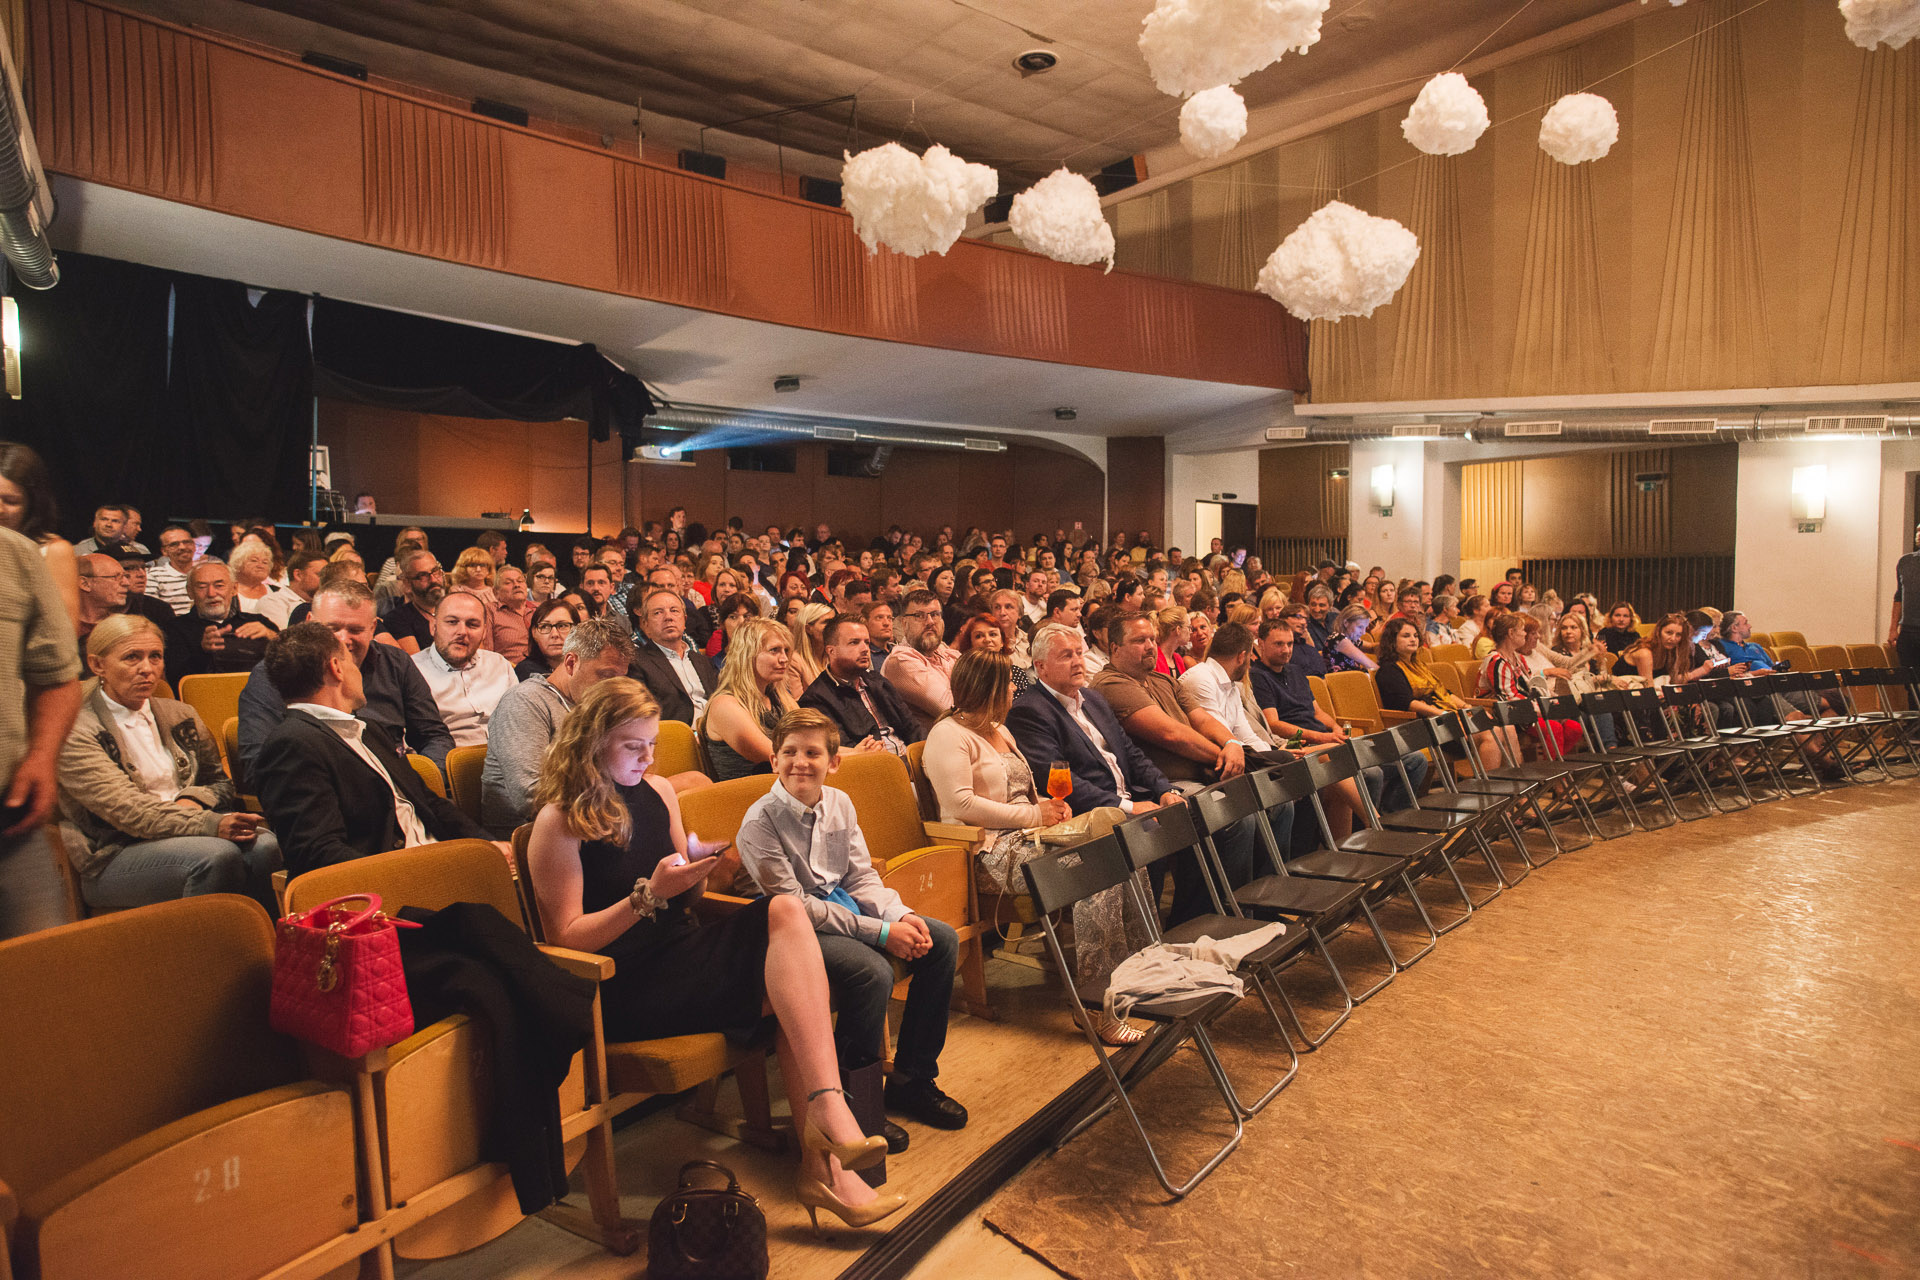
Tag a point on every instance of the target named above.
point(581, 964)
point(901, 860)
point(721, 904)
point(1397, 717)
point(9, 1214)
point(954, 833)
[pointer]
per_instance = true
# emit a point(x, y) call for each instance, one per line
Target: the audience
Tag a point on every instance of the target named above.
point(419, 585)
point(615, 871)
point(509, 614)
point(863, 704)
point(548, 626)
point(529, 716)
point(216, 635)
point(802, 840)
point(919, 666)
point(167, 576)
point(467, 681)
point(395, 695)
point(103, 591)
point(142, 784)
point(333, 786)
point(676, 673)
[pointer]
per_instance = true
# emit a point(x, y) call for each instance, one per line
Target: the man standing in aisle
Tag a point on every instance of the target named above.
point(1904, 634)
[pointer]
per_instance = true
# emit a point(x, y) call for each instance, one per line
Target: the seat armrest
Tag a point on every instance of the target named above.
point(716, 905)
point(9, 1214)
point(955, 833)
point(1389, 716)
point(581, 964)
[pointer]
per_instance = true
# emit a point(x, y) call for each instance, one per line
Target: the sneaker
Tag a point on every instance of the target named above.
point(922, 1100)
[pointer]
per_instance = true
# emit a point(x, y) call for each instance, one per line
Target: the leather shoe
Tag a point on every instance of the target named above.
point(922, 1100)
point(896, 1137)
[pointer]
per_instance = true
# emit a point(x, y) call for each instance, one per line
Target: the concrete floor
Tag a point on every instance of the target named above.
point(1688, 1053)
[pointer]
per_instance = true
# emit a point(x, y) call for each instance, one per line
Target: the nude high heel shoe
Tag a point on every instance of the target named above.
point(853, 1156)
point(817, 1195)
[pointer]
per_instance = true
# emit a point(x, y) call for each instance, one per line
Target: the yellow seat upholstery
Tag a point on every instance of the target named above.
point(429, 773)
point(1449, 653)
point(1355, 701)
point(675, 751)
point(1644, 628)
point(1790, 638)
point(1449, 679)
point(463, 778)
point(1866, 655)
point(1321, 698)
point(715, 813)
point(155, 1125)
point(215, 697)
point(1800, 657)
point(1831, 657)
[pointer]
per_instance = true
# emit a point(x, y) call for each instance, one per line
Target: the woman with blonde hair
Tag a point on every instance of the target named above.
point(748, 700)
point(979, 777)
point(808, 634)
point(1343, 641)
point(615, 872)
point(473, 573)
point(1173, 635)
point(141, 779)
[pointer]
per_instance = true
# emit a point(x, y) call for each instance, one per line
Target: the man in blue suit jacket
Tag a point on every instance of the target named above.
point(1061, 719)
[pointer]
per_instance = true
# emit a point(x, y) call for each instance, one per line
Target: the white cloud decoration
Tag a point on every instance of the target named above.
point(1447, 118)
point(913, 204)
point(1060, 216)
point(1192, 45)
point(1213, 122)
point(1339, 262)
point(1578, 128)
point(1874, 22)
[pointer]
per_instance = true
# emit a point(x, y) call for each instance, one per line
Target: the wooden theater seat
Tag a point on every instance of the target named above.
point(215, 697)
point(155, 1126)
point(676, 751)
point(464, 765)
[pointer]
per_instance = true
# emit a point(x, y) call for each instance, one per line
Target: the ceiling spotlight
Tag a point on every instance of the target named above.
point(1034, 61)
point(787, 382)
point(1064, 413)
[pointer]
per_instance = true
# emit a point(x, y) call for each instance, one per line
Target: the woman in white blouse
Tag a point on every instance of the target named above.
point(140, 777)
point(252, 566)
point(980, 778)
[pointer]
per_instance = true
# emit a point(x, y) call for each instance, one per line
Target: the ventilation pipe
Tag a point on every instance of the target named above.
point(26, 203)
point(1824, 422)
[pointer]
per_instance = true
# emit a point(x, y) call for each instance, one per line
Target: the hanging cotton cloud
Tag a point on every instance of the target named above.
point(913, 204)
point(1888, 22)
point(1340, 262)
point(1579, 127)
point(1213, 122)
point(1192, 45)
point(1447, 118)
point(1060, 217)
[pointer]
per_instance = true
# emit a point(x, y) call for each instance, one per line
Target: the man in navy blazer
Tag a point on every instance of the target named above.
point(1060, 718)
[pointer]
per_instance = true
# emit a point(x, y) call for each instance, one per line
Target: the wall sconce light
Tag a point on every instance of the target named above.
point(1383, 488)
point(10, 341)
point(1810, 493)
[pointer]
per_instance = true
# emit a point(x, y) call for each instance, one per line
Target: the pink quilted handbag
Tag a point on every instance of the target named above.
point(337, 980)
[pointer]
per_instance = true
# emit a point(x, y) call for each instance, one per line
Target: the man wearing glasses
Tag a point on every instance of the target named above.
point(422, 583)
point(103, 592)
point(920, 667)
point(398, 698)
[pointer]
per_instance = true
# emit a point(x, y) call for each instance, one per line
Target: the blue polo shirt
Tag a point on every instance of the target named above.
point(1286, 693)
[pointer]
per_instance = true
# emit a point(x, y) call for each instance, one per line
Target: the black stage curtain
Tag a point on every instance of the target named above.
point(241, 402)
point(93, 370)
point(433, 366)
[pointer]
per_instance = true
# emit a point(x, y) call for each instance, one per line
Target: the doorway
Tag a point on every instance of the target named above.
point(1234, 523)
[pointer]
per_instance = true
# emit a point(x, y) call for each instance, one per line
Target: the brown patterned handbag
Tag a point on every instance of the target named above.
point(704, 1234)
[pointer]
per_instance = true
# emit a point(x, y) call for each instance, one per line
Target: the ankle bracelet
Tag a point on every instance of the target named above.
point(829, 1089)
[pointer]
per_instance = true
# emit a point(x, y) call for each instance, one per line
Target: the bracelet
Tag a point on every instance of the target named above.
point(642, 901)
point(885, 929)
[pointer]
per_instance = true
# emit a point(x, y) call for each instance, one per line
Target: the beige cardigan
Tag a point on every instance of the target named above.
point(970, 780)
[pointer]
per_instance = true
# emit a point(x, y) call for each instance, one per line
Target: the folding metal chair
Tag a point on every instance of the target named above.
point(1748, 748)
point(1839, 719)
point(1692, 721)
point(1611, 766)
point(1544, 790)
point(1639, 711)
point(1491, 806)
point(1363, 858)
point(1379, 751)
point(1881, 718)
point(1058, 881)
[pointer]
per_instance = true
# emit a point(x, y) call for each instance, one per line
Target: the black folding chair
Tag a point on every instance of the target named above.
point(1840, 721)
point(1639, 712)
point(1434, 734)
point(1494, 805)
point(1692, 721)
point(1057, 881)
point(1380, 751)
point(1749, 742)
point(1784, 728)
point(1566, 774)
point(1158, 834)
point(1359, 859)
point(1882, 720)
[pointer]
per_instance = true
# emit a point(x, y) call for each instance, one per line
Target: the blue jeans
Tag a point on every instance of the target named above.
point(32, 894)
point(861, 978)
point(183, 867)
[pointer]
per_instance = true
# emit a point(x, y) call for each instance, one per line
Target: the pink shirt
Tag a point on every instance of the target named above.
point(922, 680)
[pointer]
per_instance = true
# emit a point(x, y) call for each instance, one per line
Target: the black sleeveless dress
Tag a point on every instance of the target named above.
point(675, 975)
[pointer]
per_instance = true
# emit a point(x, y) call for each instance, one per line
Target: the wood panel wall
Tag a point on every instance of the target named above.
point(1137, 486)
point(417, 463)
point(136, 103)
point(1299, 495)
point(1754, 226)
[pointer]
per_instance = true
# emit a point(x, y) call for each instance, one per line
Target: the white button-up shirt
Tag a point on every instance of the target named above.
point(352, 733)
point(1219, 696)
point(153, 766)
point(466, 695)
point(682, 664)
point(1075, 707)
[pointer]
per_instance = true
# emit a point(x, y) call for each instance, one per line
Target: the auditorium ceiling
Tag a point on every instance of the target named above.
point(923, 70)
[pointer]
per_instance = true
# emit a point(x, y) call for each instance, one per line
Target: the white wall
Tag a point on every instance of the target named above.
point(1831, 585)
point(1400, 543)
point(1196, 477)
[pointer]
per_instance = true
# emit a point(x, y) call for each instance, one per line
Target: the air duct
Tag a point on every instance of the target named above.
point(1820, 422)
point(712, 428)
point(26, 203)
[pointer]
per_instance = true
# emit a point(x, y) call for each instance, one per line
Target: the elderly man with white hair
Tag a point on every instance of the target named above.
point(215, 635)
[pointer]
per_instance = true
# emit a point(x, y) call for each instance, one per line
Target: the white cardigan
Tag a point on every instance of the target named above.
point(970, 780)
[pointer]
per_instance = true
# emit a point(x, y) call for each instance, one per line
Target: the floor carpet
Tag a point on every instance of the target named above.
point(1688, 1053)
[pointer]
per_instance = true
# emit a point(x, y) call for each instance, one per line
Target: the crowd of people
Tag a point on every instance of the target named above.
point(1058, 685)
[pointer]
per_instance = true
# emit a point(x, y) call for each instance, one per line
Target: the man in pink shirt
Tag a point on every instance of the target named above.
point(510, 637)
point(919, 667)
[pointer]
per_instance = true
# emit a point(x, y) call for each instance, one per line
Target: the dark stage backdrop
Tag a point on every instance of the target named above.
point(190, 396)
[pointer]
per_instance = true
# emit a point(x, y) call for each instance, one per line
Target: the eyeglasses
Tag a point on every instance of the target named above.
point(554, 627)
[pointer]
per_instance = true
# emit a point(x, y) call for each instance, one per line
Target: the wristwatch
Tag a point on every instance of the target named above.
point(642, 900)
